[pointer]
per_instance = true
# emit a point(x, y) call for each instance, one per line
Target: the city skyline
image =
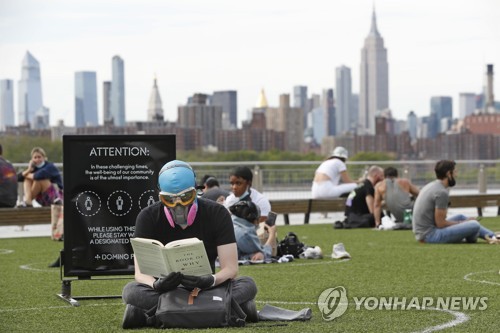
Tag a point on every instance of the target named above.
point(434, 49)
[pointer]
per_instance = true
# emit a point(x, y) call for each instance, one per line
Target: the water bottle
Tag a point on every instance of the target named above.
point(407, 216)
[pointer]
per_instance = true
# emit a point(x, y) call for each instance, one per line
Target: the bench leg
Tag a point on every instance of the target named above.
point(479, 211)
point(287, 220)
point(306, 218)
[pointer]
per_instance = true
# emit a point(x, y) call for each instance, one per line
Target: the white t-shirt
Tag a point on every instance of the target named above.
point(258, 198)
point(332, 168)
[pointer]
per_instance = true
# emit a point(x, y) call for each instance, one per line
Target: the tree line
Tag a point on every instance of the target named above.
point(17, 149)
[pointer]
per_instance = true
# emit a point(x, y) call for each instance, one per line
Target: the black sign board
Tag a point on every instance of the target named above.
point(108, 179)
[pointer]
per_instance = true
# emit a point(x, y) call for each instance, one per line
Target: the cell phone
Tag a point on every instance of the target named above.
point(271, 218)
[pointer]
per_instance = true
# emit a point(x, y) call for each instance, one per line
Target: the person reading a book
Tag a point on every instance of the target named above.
point(245, 215)
point(180, 214)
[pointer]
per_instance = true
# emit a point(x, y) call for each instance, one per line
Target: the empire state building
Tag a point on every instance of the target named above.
point(374, 90)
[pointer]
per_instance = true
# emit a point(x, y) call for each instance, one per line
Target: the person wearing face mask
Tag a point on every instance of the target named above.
point(181, 214)
point(241, 182)
point(430, 221)
point(41, 180)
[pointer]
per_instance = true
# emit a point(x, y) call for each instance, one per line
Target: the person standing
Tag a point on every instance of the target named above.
point(8, 182)
point(331, 179)
point(430, 221)
point(42, 180)
point(397, 193)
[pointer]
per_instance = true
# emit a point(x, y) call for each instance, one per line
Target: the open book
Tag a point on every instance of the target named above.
point(187, 256)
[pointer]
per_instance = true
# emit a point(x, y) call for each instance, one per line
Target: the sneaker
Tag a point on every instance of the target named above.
point(492, 240)
point(57, 201)
point(312, 253)
point(250, 310)
point(133, 317)
point(23, 204)
point(339, 252)
point(338, 225)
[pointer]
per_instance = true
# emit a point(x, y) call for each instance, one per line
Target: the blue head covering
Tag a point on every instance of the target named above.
point(176, 176)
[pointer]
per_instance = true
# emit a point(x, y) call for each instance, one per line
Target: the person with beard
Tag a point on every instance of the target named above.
point(180, 214)
point(430, 221)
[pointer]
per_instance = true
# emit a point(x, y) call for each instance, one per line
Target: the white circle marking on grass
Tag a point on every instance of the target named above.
point(6, 251)
point(467, 278)
point(460, 318)
point(296, 265)
point(29, 268)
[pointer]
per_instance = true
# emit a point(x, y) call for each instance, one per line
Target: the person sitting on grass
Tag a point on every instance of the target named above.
point(241, 186)
point(397, 193)
point(41, 180)
point(430, 221)
point(212, 191)
point(360, 202)
point(245, 216)
point(178, 215)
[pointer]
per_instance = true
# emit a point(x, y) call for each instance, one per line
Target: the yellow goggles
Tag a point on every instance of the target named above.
point(185, 197)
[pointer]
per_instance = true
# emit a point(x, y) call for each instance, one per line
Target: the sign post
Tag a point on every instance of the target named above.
point(108, 179)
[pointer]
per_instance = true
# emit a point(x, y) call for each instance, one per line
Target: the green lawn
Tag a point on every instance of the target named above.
point(384, 264)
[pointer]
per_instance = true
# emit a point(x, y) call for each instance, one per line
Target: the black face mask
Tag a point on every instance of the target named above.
point(451, 181)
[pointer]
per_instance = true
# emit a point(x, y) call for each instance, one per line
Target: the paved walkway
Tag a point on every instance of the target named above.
point(43, 230)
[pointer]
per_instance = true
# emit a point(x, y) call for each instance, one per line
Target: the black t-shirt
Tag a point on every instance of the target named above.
point(356, 201)
point(212, 225)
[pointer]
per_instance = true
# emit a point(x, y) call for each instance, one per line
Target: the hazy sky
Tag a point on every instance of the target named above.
point(435, 47)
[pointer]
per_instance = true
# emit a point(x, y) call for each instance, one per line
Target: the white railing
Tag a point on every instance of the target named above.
point(292, 179)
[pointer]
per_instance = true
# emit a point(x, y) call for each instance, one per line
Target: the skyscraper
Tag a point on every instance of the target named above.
point(118, 92)
point(198, 114)
point(329, 113)
point(228, 100)
point(374, 89)
point(106, 102)
point(466, 104)
point(300, 100)
point(6, 103)
point(155, 109)
point(441, 109)
point(30, 90)
point(412, 123)
point(287, 119)
point(86, 99)
point(343, 103)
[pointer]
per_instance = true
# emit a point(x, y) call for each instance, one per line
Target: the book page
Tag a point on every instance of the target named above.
point(188, 257)
point(149, 256)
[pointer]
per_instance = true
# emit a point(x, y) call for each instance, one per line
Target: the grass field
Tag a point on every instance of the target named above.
point(384, 264)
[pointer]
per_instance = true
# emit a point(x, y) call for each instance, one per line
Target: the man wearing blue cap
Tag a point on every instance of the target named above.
point(178, 215)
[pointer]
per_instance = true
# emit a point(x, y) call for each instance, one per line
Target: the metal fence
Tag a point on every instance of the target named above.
point(292, 179)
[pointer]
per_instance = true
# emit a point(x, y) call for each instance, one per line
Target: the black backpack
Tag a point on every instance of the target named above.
point(290, 245)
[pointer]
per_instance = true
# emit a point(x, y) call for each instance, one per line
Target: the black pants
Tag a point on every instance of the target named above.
point(360, 221)
point(143, 296)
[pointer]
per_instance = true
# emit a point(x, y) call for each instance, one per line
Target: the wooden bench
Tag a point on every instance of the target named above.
point(24, 216)
point(308, 206)
point(476, 200)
